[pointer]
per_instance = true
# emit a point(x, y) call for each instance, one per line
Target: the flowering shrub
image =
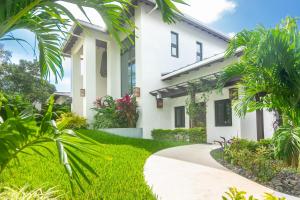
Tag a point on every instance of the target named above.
point(127, 109)
point(119, 113)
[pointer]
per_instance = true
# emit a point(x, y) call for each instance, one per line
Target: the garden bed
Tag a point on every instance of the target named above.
point(286, 181)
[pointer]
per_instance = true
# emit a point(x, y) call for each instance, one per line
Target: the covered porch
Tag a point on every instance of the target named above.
point(95, 67)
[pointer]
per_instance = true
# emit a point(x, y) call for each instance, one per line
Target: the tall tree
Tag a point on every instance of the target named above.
point(24, 79)
point(270, 79)
point(49, 21)
point(269, 69)
point(4, 55)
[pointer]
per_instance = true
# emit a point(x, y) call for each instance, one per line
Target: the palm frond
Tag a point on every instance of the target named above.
point(48, 20)
point(21, 134)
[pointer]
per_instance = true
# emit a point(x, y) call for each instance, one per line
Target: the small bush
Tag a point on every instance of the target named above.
point(235, 194)
point(260, 160)
point(59, 109)
point(192, 135)
point(119, 113)
point(73, 121)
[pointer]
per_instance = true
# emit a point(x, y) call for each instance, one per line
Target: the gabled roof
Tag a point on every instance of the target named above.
point(196, 66)
point(193, 22)
point(76, 29)
point(75, 32)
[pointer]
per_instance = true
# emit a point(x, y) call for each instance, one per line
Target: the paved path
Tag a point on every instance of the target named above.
point(190, 173)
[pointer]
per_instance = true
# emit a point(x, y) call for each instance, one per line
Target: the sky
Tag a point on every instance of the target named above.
point(226, 16)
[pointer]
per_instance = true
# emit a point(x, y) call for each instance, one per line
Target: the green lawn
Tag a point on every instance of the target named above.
point(120, 169)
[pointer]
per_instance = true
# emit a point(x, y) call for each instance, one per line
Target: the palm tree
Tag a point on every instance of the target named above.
point(269, 69)
point(22, 133)
point(269, 72)
point(49, 20)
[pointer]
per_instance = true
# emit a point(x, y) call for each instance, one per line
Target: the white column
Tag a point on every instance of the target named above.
point(76, 80)
point(101, 87)
point(113, 70)
point(89, 77)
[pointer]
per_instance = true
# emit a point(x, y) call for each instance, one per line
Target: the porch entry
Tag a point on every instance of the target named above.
point(200, 119)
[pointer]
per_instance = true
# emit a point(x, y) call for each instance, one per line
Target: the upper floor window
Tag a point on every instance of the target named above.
point(199, 51)
point(174, 44)
point(128, 68)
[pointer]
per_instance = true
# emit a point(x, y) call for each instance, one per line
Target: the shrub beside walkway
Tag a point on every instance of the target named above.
point(190, 173)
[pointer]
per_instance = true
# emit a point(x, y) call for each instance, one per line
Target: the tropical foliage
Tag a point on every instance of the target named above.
point(287, 144)
point(73, 121)
point(21, 133)
point(235, 194)
point(4, 55)
point(196, 104)
point(119, 113)
point(49, 20)
point(269, 71)
point(260, 156)
point(25, 79)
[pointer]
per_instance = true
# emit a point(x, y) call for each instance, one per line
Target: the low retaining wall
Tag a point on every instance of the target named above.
point(125, 132)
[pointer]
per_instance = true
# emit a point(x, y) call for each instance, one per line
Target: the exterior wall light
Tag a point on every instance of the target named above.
point(137, 92)
point(82, 92)
point(159, 101)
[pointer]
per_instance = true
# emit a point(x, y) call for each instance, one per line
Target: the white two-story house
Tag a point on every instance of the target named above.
point(161, 63)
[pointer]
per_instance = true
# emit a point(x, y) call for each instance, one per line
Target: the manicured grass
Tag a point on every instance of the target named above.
point(120, 169)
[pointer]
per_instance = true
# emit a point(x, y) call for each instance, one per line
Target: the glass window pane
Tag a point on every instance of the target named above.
point(223, 113)
point(174, 38)
point(174, 51)
point(127, 68)
point(179, 117)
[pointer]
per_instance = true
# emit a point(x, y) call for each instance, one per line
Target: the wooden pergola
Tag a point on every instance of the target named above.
point(204, 83)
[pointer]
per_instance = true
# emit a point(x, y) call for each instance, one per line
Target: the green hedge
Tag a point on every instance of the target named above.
point(192, 135)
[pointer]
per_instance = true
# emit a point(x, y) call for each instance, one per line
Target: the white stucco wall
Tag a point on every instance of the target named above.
point(76, 84)
point(153, 57)
point(214, 132)
point(157, 39)
point(248, 126)
point(171, 104)
point(269, 119)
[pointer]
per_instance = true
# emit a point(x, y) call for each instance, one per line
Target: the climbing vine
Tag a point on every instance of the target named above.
point(192, 101)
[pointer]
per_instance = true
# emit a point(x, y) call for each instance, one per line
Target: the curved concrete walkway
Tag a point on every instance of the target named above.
point(190, 173)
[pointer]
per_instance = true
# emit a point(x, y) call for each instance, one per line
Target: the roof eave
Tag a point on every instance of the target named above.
point(190, 20)
point(198, 65)
point(72, 34)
